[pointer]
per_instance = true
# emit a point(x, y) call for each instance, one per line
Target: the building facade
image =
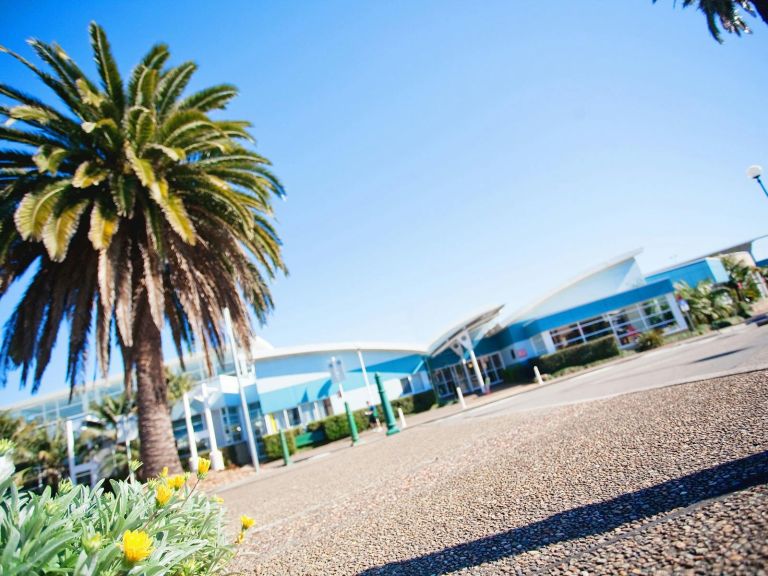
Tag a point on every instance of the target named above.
point(285, 388)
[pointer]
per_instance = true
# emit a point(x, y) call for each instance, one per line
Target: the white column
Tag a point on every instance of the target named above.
point(246, 419)
point(365, 377)
point(676, 312)
point(466, 375)
point(70, 450)
point(217, 459)
point(476, 366)
point(549, 344)
point(190, 433)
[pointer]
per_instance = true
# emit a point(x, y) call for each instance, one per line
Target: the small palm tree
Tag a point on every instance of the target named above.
point(726, 14)
point(178, 384)
point(130, 208)
point(706, 302)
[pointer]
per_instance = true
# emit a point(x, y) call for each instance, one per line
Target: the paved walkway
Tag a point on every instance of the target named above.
point(668, 480)
point(604, 380)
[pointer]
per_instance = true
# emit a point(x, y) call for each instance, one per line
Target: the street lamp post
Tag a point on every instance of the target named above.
point(755, 172)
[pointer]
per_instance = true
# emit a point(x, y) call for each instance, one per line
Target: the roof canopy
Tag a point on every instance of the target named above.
point(476, 325)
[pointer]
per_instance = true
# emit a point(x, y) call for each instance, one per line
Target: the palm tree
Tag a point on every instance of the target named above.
point(706, 302)
point(131, 207)
point(178, 384)
point(726, 12)
point(743, 282)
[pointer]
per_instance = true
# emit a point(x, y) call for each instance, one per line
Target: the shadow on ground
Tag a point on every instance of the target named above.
point(591, 519)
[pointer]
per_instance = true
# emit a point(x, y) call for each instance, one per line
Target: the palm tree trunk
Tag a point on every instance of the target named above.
point(158, 447)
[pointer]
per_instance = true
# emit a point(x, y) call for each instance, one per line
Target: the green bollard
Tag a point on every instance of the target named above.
point(352, 424)
point(284, 446)
point(388, 414)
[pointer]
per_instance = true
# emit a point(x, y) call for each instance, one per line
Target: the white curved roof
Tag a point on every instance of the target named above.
point(470, 323)
point(570, 283)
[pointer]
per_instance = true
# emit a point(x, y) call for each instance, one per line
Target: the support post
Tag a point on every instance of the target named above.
point(538, 375)
point(402, 417)
point(284, 446)
point(246, 419)
point(70, 450)
point(478, 374)
point(352, 424)
point(460, 395)
point(365, 377)
point(217, 459)
point(193, 457)
point(388, 414)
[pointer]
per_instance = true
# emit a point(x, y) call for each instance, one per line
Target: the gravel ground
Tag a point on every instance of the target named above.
point(665, 481)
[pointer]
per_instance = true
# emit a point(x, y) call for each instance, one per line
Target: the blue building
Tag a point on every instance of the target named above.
point(281, 388)
point(613, 299)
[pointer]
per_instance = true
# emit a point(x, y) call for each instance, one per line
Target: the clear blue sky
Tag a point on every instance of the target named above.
point(442, 156)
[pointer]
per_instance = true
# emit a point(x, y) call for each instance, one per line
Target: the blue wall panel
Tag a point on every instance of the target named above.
point(710, 269)
point(599, 307)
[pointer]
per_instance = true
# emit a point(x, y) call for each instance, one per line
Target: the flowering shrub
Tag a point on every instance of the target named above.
point(162, 527)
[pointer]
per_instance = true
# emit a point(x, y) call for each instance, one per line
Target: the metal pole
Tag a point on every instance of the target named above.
point(388, 414)
point(350, 417)
point(193, 457)
point(352, 424)
point(365, 376)
point(243, 402)
point(538, 375)
point(284, 446)
point(760, 181)
point(70, 450)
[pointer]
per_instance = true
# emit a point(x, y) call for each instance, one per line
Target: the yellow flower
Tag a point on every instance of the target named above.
point(240, 537)
point(177, 481)
point(163, 494)
point(203, 465)
point(217, 499)
point(137, 545)
point(246, 521)
point(164, 472)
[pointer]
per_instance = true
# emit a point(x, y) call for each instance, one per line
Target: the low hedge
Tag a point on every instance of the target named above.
point(272, 447)
point(336, 426)
point(413, 404)
point(520, 373)
point(599, 349)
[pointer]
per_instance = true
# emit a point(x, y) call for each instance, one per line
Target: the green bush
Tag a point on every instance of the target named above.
point(520, 373)
point(82, 530)
point(718, 324)
point(579, 355)
point(413, 404)
point(273, 448)
point(649, 340)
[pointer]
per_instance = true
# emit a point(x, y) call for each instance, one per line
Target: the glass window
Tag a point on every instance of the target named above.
point(492, 367)
point(294, 417)
point(406, 384)
point(232, 426)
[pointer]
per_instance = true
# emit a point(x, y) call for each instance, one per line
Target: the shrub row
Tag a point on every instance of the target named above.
point(519, 373)
point(413, 404)
point(272, 447)
point(336, 427)
point(579, 355)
